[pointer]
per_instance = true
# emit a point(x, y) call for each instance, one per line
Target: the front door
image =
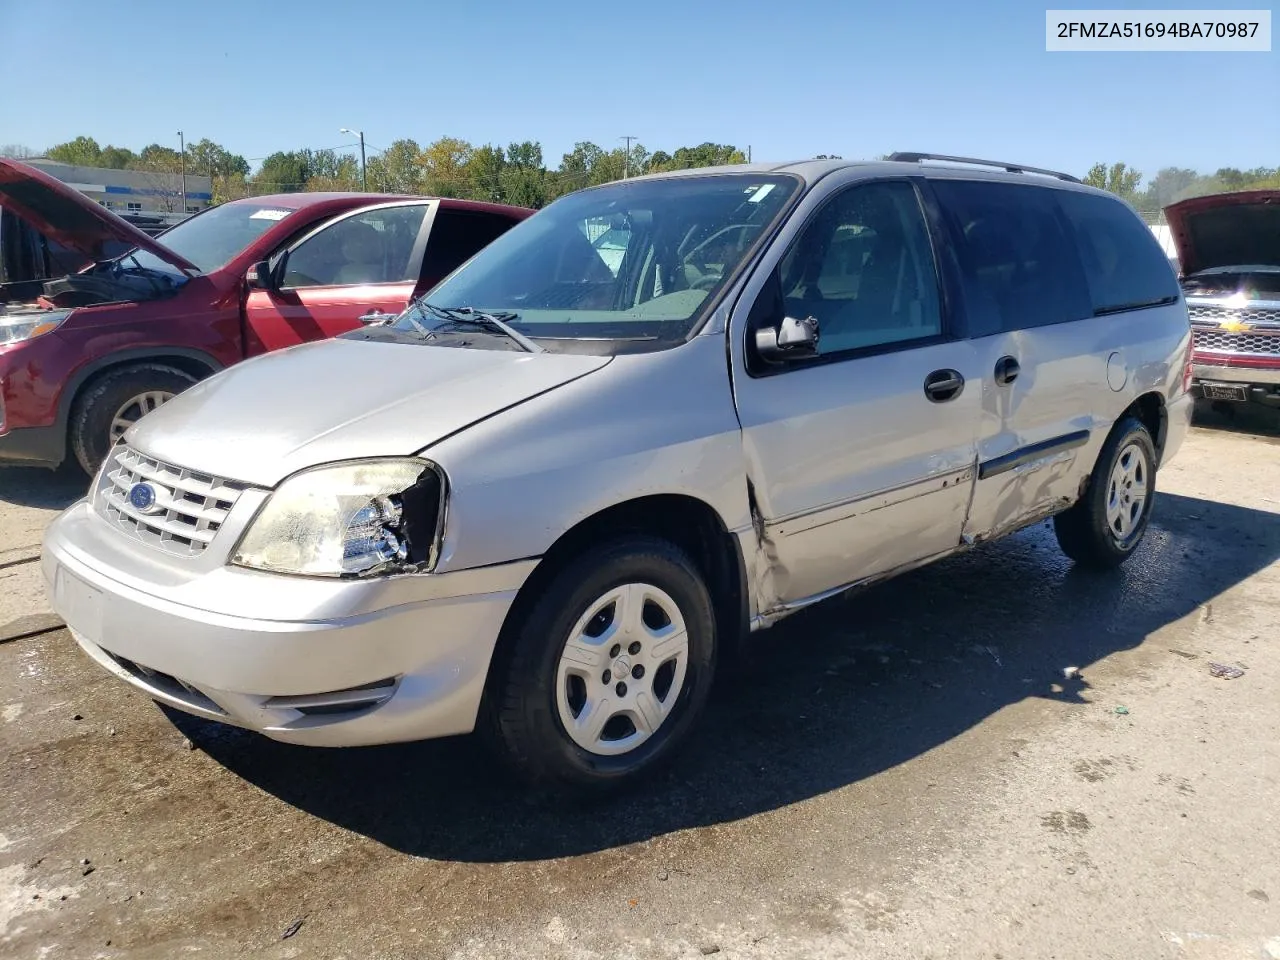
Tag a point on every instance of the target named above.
point(364, 263)
point(861, 459)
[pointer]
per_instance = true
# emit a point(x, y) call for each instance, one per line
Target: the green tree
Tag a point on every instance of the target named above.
point(444, 165)
point(524, 178)
point(283, 172)
point(483, 173)
point(397, 169)
point(1118, 178)
point(116, 158)
point(1167, 186)
point(706, 155)
point(332, 171)
point(82, 151)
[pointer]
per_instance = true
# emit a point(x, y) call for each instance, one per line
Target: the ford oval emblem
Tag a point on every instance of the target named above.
point(143, 497)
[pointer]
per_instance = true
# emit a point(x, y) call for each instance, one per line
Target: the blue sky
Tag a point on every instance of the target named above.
point(790, 79)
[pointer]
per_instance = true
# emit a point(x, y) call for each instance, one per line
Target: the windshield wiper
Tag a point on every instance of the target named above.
point(494, 321)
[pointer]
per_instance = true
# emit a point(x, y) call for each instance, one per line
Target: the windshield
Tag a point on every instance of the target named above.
point(633, 261)
point(213, 239)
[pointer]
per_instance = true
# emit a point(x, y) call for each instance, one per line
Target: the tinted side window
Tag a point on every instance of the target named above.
point(457, 236)
point(1017, 256)
point(1123, 261)
point(864, 268)
point(371, 247)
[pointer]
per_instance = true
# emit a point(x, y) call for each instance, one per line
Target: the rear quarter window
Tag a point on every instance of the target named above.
point(1124, 263)
point(1018, 259)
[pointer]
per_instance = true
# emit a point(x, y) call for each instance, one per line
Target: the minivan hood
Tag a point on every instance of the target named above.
point(266, 418)
point(71, 218)
point(1226, 230)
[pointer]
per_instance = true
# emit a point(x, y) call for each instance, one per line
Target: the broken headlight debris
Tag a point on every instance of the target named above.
point(355, 519)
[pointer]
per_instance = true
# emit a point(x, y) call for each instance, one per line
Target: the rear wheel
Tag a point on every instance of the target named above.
point(1106, 525)
point(607, 673)
point(115, 402)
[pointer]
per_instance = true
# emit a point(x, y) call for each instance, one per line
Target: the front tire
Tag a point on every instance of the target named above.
point(115, 402)
point(609, 670)
point(1106, 525)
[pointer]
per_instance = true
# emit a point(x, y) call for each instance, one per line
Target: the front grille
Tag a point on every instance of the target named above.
point(1255, 344)
point(189, 507)
point(1216, 314)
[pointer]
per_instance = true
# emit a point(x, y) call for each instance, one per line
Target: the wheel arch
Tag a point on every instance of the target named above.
point(1150, 410)
point(689, 523)
point(197, 363)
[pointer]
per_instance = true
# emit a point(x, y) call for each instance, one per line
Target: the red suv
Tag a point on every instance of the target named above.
point(99, 348)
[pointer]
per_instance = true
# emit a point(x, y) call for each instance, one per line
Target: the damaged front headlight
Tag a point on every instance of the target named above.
point(363, 518)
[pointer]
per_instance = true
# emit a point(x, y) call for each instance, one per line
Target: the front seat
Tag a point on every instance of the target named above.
point(362, 251)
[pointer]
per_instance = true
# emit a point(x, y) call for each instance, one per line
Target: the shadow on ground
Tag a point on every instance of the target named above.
point(43, 489)
point(835, 695)
point(1251, 418)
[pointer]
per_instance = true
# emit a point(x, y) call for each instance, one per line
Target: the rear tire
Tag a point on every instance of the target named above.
point(596, 687)
point(120, 395)
point(1105, 526)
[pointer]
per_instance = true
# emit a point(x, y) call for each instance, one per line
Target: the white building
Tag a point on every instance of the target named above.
point(134, 191)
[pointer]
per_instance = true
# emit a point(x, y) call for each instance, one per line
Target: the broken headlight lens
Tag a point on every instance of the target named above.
point(363, 518)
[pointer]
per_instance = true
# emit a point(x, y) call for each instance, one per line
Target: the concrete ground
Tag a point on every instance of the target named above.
point(909, 773)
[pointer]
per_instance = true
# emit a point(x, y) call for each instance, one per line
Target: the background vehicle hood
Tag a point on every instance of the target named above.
point(263, 419)
point(71, 218)
point(1226, 230)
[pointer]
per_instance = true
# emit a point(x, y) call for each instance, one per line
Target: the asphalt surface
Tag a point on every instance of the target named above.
point(907, 773)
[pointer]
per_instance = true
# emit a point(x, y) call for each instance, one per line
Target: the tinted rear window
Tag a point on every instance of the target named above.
point(1018, 260)
point(1123, 260)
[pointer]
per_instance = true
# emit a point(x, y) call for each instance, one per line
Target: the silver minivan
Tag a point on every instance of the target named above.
point(548, 499)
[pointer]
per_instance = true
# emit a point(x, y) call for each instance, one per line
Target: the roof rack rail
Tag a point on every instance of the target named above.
point(1010, 167)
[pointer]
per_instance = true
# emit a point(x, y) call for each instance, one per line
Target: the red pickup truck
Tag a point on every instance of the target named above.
point(98, 348)
point(1229, 258)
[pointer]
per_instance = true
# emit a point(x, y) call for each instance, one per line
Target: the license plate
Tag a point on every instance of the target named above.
point(1223, 391)
point(79, 604)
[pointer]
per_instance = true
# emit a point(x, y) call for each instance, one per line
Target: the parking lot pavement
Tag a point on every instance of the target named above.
point(908, 773)
point(29, 498)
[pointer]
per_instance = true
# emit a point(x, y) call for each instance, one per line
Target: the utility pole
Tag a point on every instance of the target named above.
point(182, 160)
point(626, 159)
point(364, 176)
point(748, 153)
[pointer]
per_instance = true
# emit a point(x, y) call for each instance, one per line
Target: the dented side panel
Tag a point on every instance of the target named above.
point(853, 470)
point(1074, 378)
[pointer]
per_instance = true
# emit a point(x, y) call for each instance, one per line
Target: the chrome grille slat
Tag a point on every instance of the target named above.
point(191, 506)
point(1222, 341)
point(1200, 311)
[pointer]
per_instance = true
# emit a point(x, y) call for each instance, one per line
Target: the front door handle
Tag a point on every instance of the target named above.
point(943, 385)
point(377, 316)
point(1007, 370)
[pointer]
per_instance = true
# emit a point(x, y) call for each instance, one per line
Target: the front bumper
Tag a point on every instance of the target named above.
point(302, 660)
point(33, 446)
point(1261, 384)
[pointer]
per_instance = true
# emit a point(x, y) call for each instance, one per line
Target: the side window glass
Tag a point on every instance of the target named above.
point(864, 268)
point(1019, 262)
point(1123, 261)
point(370, 247)
point(457, 236)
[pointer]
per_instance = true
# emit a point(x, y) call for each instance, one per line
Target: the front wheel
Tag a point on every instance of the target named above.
point(1106, 525)
point(115, 402)
point(606, 675)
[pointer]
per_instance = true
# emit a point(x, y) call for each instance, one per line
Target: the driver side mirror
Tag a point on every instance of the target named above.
point(261, 277)
point(792, 339)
